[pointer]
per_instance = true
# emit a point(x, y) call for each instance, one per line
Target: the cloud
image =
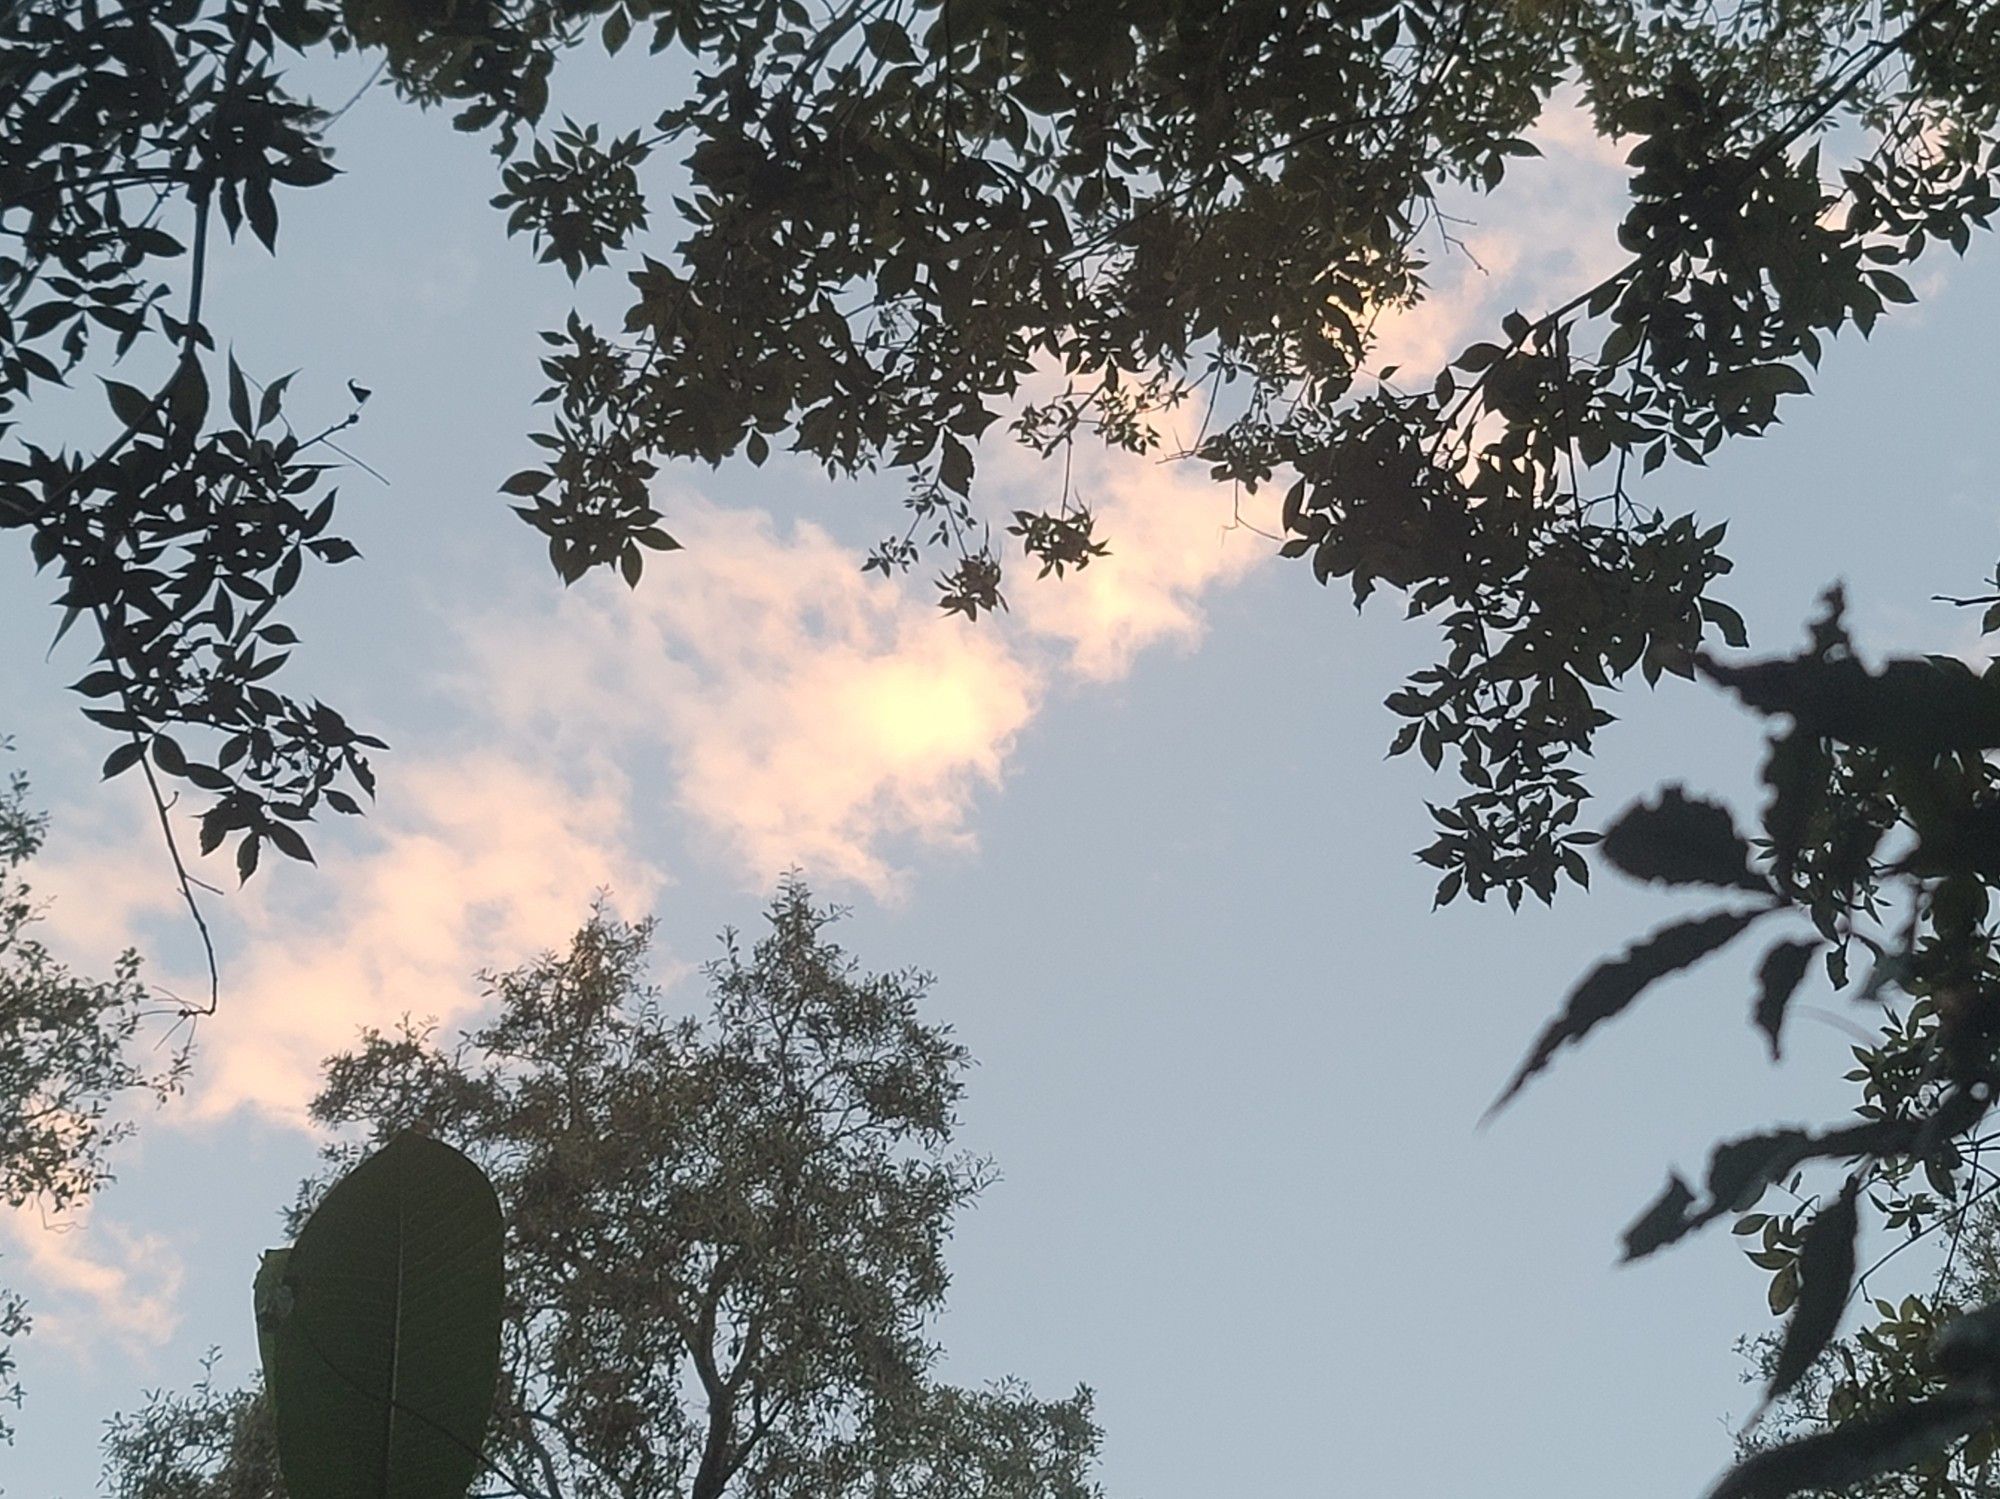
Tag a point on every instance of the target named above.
point(474, 862)
point(808, 714)
point(1547, 234)
point(90, 1280)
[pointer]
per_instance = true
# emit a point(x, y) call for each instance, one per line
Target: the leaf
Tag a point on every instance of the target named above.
point(97, 683)
point(1918, 705)
point(1826, 1275)
point(167, 755)
point(288, 842)
point(1662, 1222)
point(1611, 986)
point(1778, 978)
point(1727, 620)
point(239, 399)
point(271, 1301)
point(123, 758)
point(1851, 1453)
point(129, 404)
point(530, 481)
point(187, 398)
point(955, 467)
point(383, 1371)
point(1681, 840)
point(261, 211)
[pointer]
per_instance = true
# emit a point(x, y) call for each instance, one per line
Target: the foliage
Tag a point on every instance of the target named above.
point(724, 1238)
point(906, 221)
point(1878, 837)
point(126, 129)
point(65, 1059)
point(380, 1329)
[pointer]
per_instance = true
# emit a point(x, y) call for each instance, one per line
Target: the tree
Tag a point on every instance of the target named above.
point(65, 1060)
point(724, 1238)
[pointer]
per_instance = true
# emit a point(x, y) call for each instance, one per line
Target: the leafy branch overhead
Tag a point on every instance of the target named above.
point(129, 134)
point(880, 235)
point(907, 226)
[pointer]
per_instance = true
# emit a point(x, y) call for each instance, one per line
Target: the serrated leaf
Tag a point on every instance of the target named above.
point(1826, 1275)
point(1613, 985)
point(1831, 1461)
point(1778, 978)
point(1681, 840)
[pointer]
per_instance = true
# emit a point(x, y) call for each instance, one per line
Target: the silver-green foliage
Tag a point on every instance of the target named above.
point(65, 1058)
point(725, 1239)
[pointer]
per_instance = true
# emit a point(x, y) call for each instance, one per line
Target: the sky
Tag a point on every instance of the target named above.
point(1231, 1063)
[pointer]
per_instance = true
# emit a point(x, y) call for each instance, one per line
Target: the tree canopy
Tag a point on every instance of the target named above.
point(725, 1238)
point(893, 226)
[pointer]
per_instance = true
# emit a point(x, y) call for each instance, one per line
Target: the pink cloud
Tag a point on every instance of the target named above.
point(810, 714)
point(89, 1280)
point(466, 864)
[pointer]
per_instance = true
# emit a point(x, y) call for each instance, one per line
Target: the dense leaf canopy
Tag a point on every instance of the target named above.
point(895, 225)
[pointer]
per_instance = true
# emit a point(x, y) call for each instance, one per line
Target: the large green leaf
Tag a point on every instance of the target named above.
point(382, 1360)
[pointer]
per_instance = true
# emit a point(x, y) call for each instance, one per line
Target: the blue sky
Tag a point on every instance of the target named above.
point(1141, 829)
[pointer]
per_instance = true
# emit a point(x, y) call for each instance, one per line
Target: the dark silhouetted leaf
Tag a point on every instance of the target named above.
point(1661, 1223)
point(1924, 706)
point(123, 758)
point(1858, 1450)
point(1613, 985)
point(1826, 1275)
point(1778, 978)
point(167, 755)
point(1681, 840)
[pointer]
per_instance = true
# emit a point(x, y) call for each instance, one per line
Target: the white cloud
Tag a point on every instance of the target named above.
point(89, 1280)
point(470, 863)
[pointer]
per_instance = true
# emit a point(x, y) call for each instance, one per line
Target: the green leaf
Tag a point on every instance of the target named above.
point(382, 1372)
point(271, 1301)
